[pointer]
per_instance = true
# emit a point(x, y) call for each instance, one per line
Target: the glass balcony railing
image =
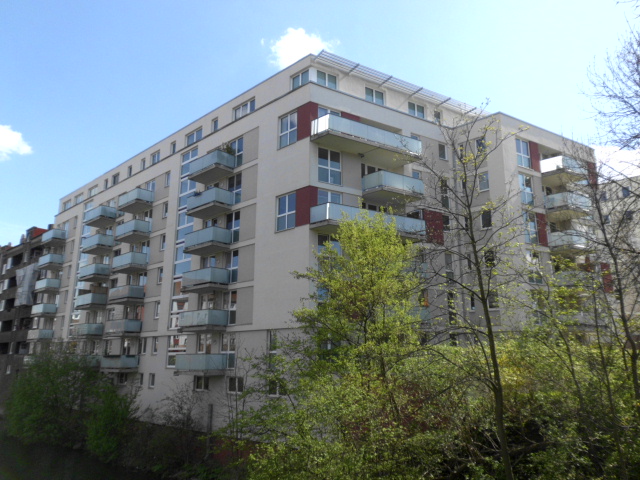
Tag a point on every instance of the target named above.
point(94, 270)
point(91, 300)
point(204, 318)
point(131, 260)
point(133, 231)
point(206, 276)
point(205, 362)
point(223, 199)
point(87, 329)
point(567, 200)
point(134, 293)
point(51, 260)
point(54, 236)
point(570, 239)
point(383, 179)
point(40, 334)
point(119, 363)
point(47, 284)
point(562, 163)
point(212, 167)
point(136, 200)
point(200, 239)
point(43, 309)
point(366, 132)
point(98, 242)
point(121, 327)
point(336, 212)
point(101, 215)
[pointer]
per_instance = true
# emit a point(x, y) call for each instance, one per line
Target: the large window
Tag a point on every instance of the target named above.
point(233, 224)
point(193, 137)
point(530, 228)
point(374, 96)
point(416, 110)
point(324, 196)
point(299, 80)
point(235, 384)
point(235, 185)
point(288, 129)
point(522, 150)
point(327, 80)
point(286, 216)
point(244, 109)
point(238, 150)
point(442, 152)
point(526, 188)
point(155, 157)
point(329, 167)
point(486, 219)
point(233, 266)
point(483, 181)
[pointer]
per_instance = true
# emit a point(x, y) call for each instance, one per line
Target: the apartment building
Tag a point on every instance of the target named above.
point(173, 266)
point(18, 282)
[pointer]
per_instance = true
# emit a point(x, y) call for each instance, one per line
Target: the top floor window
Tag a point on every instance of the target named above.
point(374, 96)
point(155, 157)
point(93, 191)
point(522, 150)
point(299, 80)
point(214, 125)
point(327, 80)
point(194, 136)
point(416, 110)
point(625, 192)
point(66, 205)
point(437, 117)
point(244, 109)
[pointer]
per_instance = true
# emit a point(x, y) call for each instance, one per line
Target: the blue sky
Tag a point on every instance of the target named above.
point(85, 85)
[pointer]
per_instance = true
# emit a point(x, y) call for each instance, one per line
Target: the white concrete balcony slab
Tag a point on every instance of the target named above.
point(210, 203)
point(212, 167)
point(136, 201)
point(208, 241)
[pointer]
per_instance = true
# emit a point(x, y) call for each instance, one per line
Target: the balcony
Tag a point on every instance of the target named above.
point(86, 330)
point(325, 219)
point(212, 167)
point(91, 301)
point(133, 231)
point(51, 261)
point(117, 328)
point(44, 310)
point(47, 285)
point(132, 262)
point(206, 280)
point(210, 203)
point(136, 201)
point(126, 295)
point(386, 188)
point(39, 334)
point(205, 364)
point(96, 272)
point(569, 241)
point(119, 363)
point(101, 217)
point(99, 244)
point(54, 238)
point(378, 147)
point(574, 279)
point(560, 170)
point(208, 241)
point(203, 320)
point(566, 206)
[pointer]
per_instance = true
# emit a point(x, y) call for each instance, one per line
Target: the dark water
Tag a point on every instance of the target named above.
point(41, 462)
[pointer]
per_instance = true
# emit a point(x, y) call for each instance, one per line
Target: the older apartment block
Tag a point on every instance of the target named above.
point(170, 267)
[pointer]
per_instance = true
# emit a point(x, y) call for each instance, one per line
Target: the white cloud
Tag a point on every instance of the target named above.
point(618, 163)
point(11, 142)
point(295, 44)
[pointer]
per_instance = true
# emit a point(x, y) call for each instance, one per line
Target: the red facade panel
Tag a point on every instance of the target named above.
point(607, 277)
point(534, 151)
point(434, 226)
point(542, 229)
point(593, 173)
point(306, 198)
point(350, 116)
point(307, 113)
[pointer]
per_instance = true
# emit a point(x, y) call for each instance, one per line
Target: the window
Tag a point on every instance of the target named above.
point(160, 274)
point(472, 302)
point(235, 385)
point(163, 242)
point(154, 345)
point(416, 110)
point(151, 185)
point(106, 183)
point(522, 151)
point(155, 157)
point(66, 205)
point(437, 117)
point(329, 167)
point(200, 383)
point(235, 185)
point(288, 129)
point(603, 197)
point(533, 258)
point(122, 378)
point(194, 136)
point(526, 189)
point(444, 192)
point(93, 191)
point(442, 152)
point(233, 266)
point(492, 299)
point(238, 150)
point(481, 146)
point(143, 164)
point(530, 228)
point(417, 174)
point(115, 179)
point(244, 109)
point(486, 219)
point(214, 125)
point(374, 96)
point(628, 216)
point(625, 192)
point(325, 196)
point(167, 179)
point(327, 80)
point(483, 181)
point(233, 224)
point(79, 198)
point(152, 380)
point(129, 171)
point(172, 149)
point(300, 79)
point(286, 216)
point(322, 111)
point(446, 223)
point(165, 209)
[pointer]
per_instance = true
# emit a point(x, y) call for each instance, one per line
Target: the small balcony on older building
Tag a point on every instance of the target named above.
point(44, 310)
point(54, 238)
point(133, 231)
point(91, 301)
point(212, 167)
point(568, 241)
point(51, 261)
point(376, 146)
point(566, 206)
point(101, 216)
point(211, 364)
point(39, 334)
point(132, 262)
point(206, 280)
point(99, 244)
point(210, 203)
point(126, 295)
point(203, 320)
point(391, 189)
point(125, 327)
point(136, 201)
point(86, 330)
point(560, 170)
point(120, 363)
point(325, 219)
point(47, 285)
point(95, 272)
point(208, 241)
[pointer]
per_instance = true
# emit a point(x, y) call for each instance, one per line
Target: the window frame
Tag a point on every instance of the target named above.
point(288, 214)
point(193, 137)
point(240, 111)
point(416, 110)
point(483, 181)
point(326, 82)
point(288, 134)
point(329, 168)
point(299, 79)
point(374, 96)
point(524, 159)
